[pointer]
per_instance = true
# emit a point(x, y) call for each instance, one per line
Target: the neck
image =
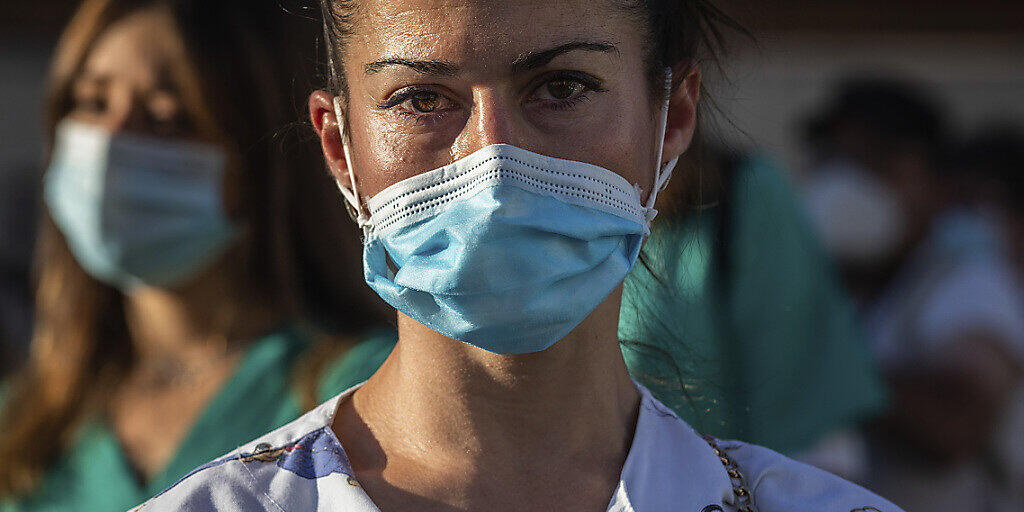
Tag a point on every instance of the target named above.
point(458, 399)
point(202, 319)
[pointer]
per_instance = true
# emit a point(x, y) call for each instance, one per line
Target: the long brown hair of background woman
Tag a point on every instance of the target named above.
point(301, 255)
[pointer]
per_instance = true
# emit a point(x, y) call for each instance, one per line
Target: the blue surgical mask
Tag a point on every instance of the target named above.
point(505, 249)
point(137, 210)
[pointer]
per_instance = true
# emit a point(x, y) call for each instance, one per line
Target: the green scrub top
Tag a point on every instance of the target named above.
point(770, 354)
point(95, 475)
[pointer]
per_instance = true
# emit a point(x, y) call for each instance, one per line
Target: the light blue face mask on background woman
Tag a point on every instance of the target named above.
point(137, 210)
point(505, 249)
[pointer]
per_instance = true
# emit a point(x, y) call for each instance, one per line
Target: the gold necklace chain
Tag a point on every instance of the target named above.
point(744, 500)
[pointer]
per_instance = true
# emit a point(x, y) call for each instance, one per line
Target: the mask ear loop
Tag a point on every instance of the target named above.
point(355, 206)
point(661, 174)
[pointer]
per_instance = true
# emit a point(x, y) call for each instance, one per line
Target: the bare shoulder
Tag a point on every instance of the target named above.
point(781, 484)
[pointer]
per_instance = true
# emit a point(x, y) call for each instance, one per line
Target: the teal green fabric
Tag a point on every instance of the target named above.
point(96, 476)
point(777, 358)
point(359, 363)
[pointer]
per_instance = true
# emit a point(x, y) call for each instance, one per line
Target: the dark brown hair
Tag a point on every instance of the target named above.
point(298, 235)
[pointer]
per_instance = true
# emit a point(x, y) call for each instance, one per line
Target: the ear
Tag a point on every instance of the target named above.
point(682, 114)
point(326, 123)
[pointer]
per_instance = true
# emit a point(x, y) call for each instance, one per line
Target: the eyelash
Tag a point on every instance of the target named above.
point(406, 94)
point(590, 84)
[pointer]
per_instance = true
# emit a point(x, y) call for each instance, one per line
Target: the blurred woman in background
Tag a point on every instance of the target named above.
point(168, 279)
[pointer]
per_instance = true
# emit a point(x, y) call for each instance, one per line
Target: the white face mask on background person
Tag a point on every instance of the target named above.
point(858, 216)
point(137, 210)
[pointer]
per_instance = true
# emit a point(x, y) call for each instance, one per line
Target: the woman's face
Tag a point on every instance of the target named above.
point(136, 79)
point(432, 81)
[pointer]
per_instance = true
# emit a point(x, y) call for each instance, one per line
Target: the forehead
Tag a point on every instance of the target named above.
point(484, 32)
point(140, 48)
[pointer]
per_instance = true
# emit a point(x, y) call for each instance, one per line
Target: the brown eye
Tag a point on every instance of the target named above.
point(425, 102)
point(91, 104)
point(88, 96)
point(563, 89)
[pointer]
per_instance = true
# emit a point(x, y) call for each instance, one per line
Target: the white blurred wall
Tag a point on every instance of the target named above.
point(773, 88)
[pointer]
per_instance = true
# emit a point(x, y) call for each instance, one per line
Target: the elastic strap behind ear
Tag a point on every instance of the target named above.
point(661, 173)
point(351, 195)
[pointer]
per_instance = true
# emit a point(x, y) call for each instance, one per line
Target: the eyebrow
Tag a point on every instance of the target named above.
point(537, 59)
point(522, 63)
point(426, 67)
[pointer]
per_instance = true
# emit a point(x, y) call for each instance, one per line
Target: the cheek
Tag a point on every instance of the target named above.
point(383, 156)
point(621, 140)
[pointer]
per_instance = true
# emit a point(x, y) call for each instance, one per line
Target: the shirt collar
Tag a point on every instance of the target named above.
point(669, 466)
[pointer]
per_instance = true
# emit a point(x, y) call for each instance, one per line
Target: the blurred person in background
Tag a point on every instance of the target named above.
point(762, 335)
point(173, 260)
point(986, 174)
point(986, 178)
point(939, 300)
